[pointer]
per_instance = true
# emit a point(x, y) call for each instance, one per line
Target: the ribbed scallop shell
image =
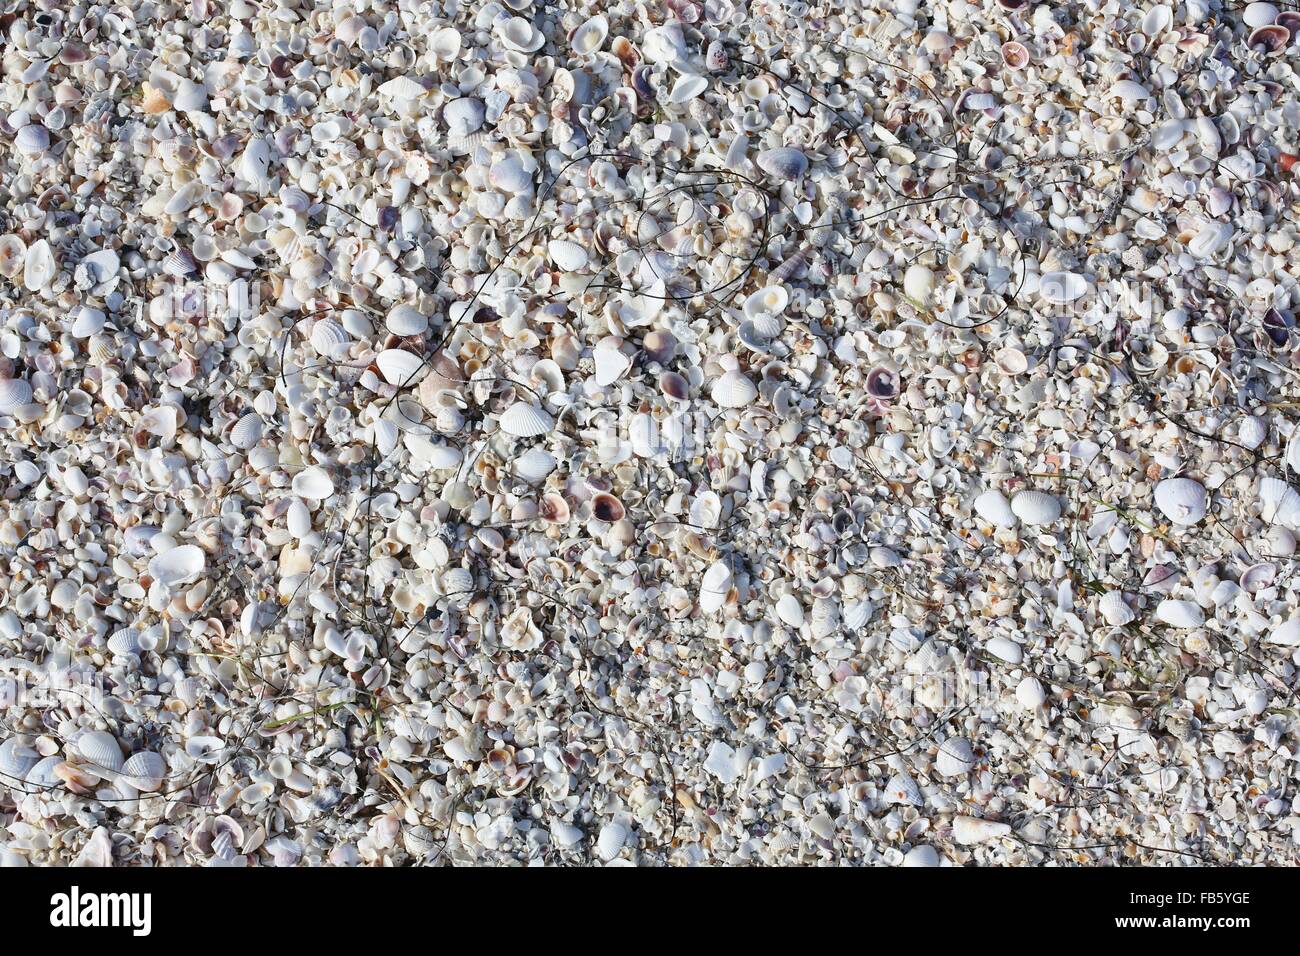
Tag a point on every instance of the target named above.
point(524, 420)
point(567, 255)
point(733, 390)
point(16, 760)
point(1280, 503)
point(124, 641)
point(1036, 507)
point(994, 508)
point(99, 750)
point(1115, 609)
point(1251, 431)
point(247, 432)
point(534, 465)
point(400, 367)
point(1181, 500)
point(902, 789)
point(457, 583)
point(145, 771)
point(955, 757)
point(33, 139)
point(463, 116)
point(14, 392)
point(783, 162)
point(1179, 613)
point(856, 614)
point(329, 338)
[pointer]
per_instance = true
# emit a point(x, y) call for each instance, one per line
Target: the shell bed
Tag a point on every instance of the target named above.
point(652, 433)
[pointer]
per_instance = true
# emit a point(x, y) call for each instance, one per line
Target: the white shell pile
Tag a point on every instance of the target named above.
point(667, 433)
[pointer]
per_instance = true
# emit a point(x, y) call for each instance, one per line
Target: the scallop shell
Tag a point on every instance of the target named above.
point(1181, 500)
point(955, 758)
point(524, 420)
point(1287, 634)
point(405, 320)
point(457, 583)
point(568, 256)
point(145, 771)
point(247, 432)
point(125, 642)
point(1179, 613)
point(1280, 503)
point(1251, 432)
point(14, 393)
point(783, 162)
point(400, 367)
point(534, 465)
point(733, 390)
point(16, 761)
point(589, 36)
point(714, 586)
point(100, 750)
point(1115, 609)
point(313, 483)
point(33, 139)
point(329, 338)
point(403, 88)
point(902, 788)
point(179, 565)
point(463, 116)
point(1036, 507)
point(994, 508)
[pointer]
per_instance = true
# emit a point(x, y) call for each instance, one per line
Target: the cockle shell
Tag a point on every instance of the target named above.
point(955, 757)
point(406, 320)
point(125, 642)
point(313, 483)
point(1251, 432)
point(145, 771)
point(463, 116)
point(568, 256)
point(403, 88)
point(33, 139)
point(329, 338)
point(714, 586)
point(1114, 609)
point(99, 750)
point(1036, 507)
point(1181, 500)
point(1279, 503)
point(247, 432)
point(783, 162)
point(16, 760)
point(1179, 613)
point(400, 367)
point(179, 565)
point(525, 420)
point(457, 582)
point(993, 507)
point(589, 36)
point(534, 465)
point(902, 788)
point(733, 390)
point(14, 393)
point(1029, 692)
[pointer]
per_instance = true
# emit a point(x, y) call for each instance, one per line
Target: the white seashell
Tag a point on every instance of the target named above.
point(463, 116)
point(1287, 634)
point(610, 361)
point(971, 830)
point(145, 771)
point(14, 393)
point(1292, 457)
point(569, 256)
point(1005, 649)
point(405, 320)
point(524, 420)
point(1036, 507)
point(1259, 14)
point(400, 367)
point(1181, 500)
point(1251, 432)
point(179, 565)
point(100, 750)
point(534, 465)
point(994, 508)
point(1212, 237)
point(88, 322)
point(955, 758)
point(918, 284)
point(402, 88)
point(247, 432)
point(789, 610)
point(125, 642)
point(1060, 288)
point(1280, 503)
point(1029, 692)
point(434, 456)
point(783, 162)
point(313, 483)
point(921, 856)
point(1130, 91)
point(508, 174)
point(520, 35)
point(1179, 613)
point(1114, 609)
point(714, 586)
point(458, 583)
point(298, 519)
point(1258, 576)
point(42, 778)
point(1157, 21)
point(770, 300)
point(255, 165)
point(687, 88)
point(590, 36)
point(330, 339)
point(39, 267)
point(902, 788)
point(733, 390)
point(33, 139)
point(16, 761)
point(565, 835)
point(610, 841)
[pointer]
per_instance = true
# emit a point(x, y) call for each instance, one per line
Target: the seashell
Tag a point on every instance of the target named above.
point(534, 466)
point(1291, 20)
point(1271, 38)
point(1259, 14)
point(968, 831)
point(1010, 361)
point(714, 586)
point(520, 35)
point(524, 420)
point(568, 256)
point(610, 841)
point(1287, 634)
point(675, 386)
point(404, 320)
point(1030, 694)
point(180, 263)
point(42, 777)
point(553, 509)
point(33, 139)
point(457, 582)
point(902, 788)
point(918, 284)
point(1005, 649)
point(39, 266)
point(463, 116)
point(1114, 609)
point(882, 382)
point(402, 88)
point(247, 432)
point(1061, 288)
point(125, 642)
point(770, 300)
point(610, 361)
point(330, 339)
point(16, 761)
point(687, 88)
point(1212, 237)
point(589, 36)
point(924, 856)
point(400, 367)
point(1181, 500)
point(13, 254)
point(733, 390)
point(14, 393)
point(1280, 503)
point(254, 166)
point(955, 757)
point(179, 565)
point(508, 174)
point(716, 59)
point(1130, 91)
point(1258, 576)
point(783, 162)
point(1179, 613)
point(1036, 507)
point(993, 507)
point(607, 508)
point(313, 483)
point(1015, 56)
point(99, 750)
point(660, 346)
point(789, 610)
point(436, 457)
point(88, 322)
point(145, 771)
point(1251, 432)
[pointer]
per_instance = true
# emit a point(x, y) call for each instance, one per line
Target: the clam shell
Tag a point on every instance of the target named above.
point(789, 610)
point(1181, 500)
point(508, 174)
point(179, 565)
point(993, 507)
point(687, 88)
point(918, 283)
point(14, 393)
point(1258, 576)
point(145, 771)
point(1287, 634)
point(589, 36)
point(313, 483)
point(1114, 609)
point(125, 642)
point(463, 116)
point(16, 761)
point(400, 367)
point(902, 788)
point(733, 390)
point(247, 432)
point(33, 139)
point(1030, 694)
point(525, 420)
point(714, 586)
point(1060, 288)
point(770, 300)
point(403, 88)
point(783, 162)
point(39, 266)
point(405, 320)
point(568, 256)
point(100, 750)
point(534, 465)
point(520, 35)
point(955, 757)
point(88, 322)
point(13, 254)
point(1036, 507)
point(254, 166)
point(1179, 613)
